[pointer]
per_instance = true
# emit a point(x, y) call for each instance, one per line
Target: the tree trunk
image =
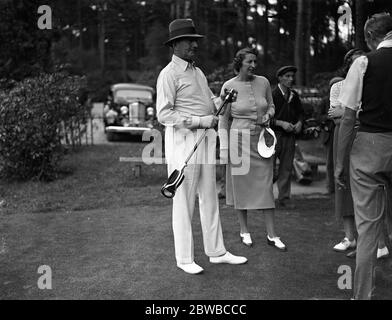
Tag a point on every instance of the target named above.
point(280, 9)
point(194, 8)
point(266, 34)
point(101, 40)
point(308, 33)
point(173, 7)
point(359, 24)
point(187, 9)
point(206, 26)
point(245, 22)
point(298, 49)
point(178, 9)
point(124, 64)
point(80, 25)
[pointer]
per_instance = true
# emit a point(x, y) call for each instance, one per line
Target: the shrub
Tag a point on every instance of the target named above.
point(31, 115)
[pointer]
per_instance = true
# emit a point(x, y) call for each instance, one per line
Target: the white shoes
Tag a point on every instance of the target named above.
point(382, 253)
point(228, 258)
point(191, 268)
point(277, 243)
point(246, 239)
point(345, 245)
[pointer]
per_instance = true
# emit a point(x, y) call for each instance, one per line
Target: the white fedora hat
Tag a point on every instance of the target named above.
point(267, 143)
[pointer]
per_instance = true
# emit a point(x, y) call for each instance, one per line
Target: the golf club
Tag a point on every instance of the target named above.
point(175, 180)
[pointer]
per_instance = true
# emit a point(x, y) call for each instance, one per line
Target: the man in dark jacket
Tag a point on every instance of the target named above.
point(286, 124)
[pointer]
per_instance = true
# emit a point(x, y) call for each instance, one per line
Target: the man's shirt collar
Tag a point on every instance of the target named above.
point(182, 63)
point(282, 90)
point(289, 91)
point(387, 43)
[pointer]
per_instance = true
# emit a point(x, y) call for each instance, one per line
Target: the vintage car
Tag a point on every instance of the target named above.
point(129, 109)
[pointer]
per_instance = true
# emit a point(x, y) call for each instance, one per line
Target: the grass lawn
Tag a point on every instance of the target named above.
point(107, 235)
point(92, 178)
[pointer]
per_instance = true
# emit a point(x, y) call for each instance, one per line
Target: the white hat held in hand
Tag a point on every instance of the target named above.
point(267, 143)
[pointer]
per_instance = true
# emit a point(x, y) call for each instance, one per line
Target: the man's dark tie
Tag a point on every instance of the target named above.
point(287, 95)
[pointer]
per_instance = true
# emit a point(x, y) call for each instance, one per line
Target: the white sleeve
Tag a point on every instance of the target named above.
point(334, 94)
point(166, 96)
point(351, 93)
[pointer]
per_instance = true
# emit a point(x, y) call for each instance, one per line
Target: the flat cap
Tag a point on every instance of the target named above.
point(286, 69)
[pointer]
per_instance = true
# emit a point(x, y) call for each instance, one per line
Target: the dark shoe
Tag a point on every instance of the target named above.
point(352, 254)
point(285, 204)
point(275, 242)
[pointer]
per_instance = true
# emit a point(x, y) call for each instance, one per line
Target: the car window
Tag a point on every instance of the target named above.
point(127, 94)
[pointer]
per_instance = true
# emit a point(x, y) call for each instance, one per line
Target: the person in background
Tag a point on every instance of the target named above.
point(327, 135)
point(344, 209)
point(250, 115)
point(367, 92)
point(287, 123)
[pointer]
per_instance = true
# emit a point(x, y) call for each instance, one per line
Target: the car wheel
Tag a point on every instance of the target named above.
point(111, 136)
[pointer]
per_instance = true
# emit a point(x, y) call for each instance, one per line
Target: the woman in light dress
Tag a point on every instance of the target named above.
point(247, 117)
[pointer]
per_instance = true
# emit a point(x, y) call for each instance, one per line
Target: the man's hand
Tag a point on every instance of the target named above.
point(287, 126)
point(226, 92)
point(297, 128)
point(208, 122)
point(340, 178)
point(224, 156)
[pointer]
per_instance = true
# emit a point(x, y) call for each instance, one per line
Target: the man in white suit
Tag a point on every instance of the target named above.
point(185, 104)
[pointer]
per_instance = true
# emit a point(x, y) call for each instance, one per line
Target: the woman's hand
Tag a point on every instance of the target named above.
point(335, 112)
point(265, 119)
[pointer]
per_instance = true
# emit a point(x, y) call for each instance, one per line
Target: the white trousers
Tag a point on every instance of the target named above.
point(200, 178)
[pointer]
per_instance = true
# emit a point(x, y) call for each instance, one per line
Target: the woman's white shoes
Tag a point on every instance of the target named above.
point(277, 243)
point(246, 239)
point(345, 245)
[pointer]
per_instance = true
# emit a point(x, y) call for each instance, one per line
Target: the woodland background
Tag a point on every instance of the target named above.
point(112, 41)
